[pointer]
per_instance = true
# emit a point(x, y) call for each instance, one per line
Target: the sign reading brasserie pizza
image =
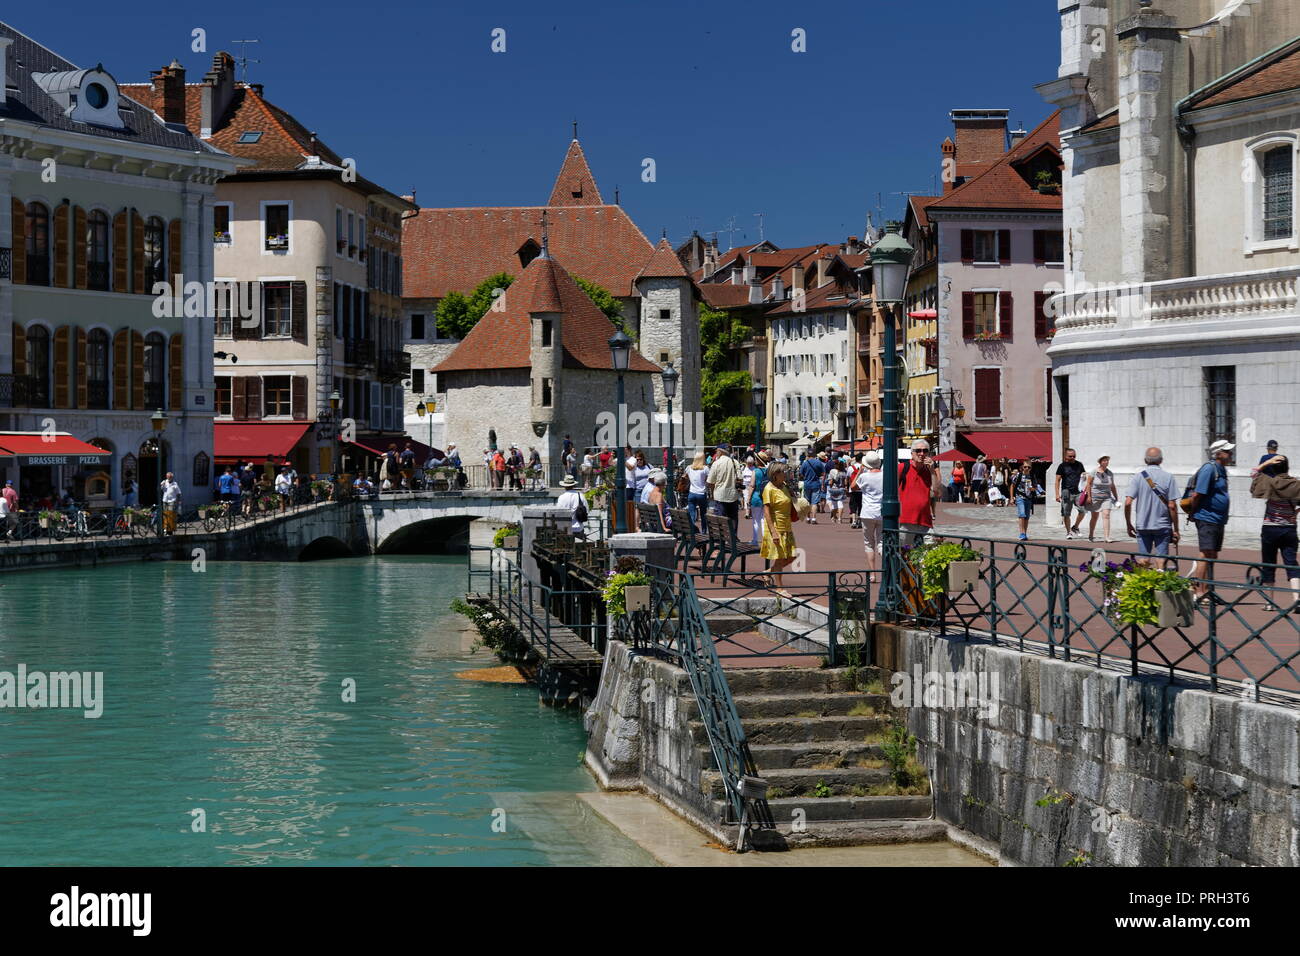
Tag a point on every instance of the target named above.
point(63, 459)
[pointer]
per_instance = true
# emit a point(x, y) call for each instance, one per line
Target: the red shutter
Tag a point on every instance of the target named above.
point(1040, 314)
point(968, 315)
point(988, 393)
point(1004, 246)
point(967, 246)
point(1006, 315)
point(1040, 246)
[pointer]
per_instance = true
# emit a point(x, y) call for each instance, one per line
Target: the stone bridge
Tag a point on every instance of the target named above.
point(422, 523)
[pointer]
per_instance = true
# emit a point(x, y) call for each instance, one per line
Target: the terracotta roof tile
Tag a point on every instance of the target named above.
point(1274, 72)
point(1001, 186)
point(501, 339)
point(664, 263)
point(919, 205)
point(575, 185)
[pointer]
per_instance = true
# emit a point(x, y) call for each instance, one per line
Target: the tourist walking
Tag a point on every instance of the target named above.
point(919, 488)
point(723, 482)
point(170, 495)
point(1277, 535)
point(284, 487)
point(1154, 491)
point(747, 486)
point(812, 471)
point(1024, 490)
point(855, 493)
point(779, 516)
point(761, 465)
point(958, 482)
point(1068, 475)
point(1100, 497)
point(1270, 451)
point(979, 481)
point(997, 489)
point(871, 486)
point(697, 496)
point(837, 491)
point(572, 501)
point(228, 486)
point(8, 517)
point(639, 476)
point(1207, 505)
point(586, 468)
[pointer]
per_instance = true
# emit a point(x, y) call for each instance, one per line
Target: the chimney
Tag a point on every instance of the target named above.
point(853, 247)
point(796, 278)
point(710, 259)
point(4, 63)
point(169, 88)
point(256, 88)
point(749, 275)
point(778, 288)
point(949, 166)
point(218, 91)
point(981, 135)
point(821, 271)
point(1018, 137)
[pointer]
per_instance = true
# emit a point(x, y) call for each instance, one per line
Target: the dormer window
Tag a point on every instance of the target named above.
point(249, 136)
point(529, 251)
point(96, 95)
point(87, 96)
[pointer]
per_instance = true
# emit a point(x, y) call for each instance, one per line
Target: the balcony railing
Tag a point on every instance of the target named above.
point(358, 352)
point(1218, 298)
point(394, 364)
point(6, 262)
point(24, 391)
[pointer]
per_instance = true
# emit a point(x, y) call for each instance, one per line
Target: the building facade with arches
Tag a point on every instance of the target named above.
point(103, 206)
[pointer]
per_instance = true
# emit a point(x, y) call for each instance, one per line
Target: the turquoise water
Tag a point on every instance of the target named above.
point(223, 692)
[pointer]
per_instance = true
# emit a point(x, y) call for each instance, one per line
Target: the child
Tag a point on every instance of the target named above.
point(836, 490)
point(1024, 489)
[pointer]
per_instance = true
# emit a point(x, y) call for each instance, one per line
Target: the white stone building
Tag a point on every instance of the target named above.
point(1180, 321)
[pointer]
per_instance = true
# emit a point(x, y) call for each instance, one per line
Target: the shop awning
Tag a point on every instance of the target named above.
point(59, 448)
point(378, 445)
point(953, 454)
point(924, 314)
point(1018, 445)
point(254, 441)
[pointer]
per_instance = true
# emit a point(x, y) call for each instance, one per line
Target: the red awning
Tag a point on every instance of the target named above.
point(1018, 445)
point(953, 455)
point(253, 441)
point(60, 448)
point(924, 314)
point(378, 446)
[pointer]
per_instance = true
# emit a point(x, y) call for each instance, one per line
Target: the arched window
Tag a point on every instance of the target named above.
point(38, 366)
point(38, 244)
point(202, 470)
point(155, 370)
point(97, 368)
point(97, 246)
point(155, 258)
point(128, 469)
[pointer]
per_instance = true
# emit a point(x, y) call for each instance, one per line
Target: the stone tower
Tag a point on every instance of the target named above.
point(670, 326)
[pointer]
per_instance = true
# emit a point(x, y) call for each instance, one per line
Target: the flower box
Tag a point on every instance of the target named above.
point(510, 542)
point(221, 238)
point(636, 597)
point(963, 576)
point(1176, 608)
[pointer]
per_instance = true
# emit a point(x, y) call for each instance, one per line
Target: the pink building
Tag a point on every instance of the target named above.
point(1000, 248)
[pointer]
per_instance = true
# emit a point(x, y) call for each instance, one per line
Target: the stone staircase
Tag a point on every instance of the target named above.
point(816, 738)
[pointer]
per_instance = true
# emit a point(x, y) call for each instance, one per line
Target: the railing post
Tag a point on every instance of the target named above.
point(832, 620)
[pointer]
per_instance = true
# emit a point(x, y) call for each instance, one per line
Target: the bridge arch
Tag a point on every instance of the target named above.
point(326, 546)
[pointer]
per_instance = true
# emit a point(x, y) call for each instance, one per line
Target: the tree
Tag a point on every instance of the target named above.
point(721, 333)
point(458, 313)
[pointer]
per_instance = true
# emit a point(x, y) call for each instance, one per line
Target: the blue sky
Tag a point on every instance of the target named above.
point(736, 122)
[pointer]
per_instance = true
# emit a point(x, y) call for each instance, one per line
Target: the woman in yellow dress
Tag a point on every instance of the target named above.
point(778, 525)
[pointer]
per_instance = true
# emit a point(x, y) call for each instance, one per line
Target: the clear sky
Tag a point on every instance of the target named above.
point(735, 120)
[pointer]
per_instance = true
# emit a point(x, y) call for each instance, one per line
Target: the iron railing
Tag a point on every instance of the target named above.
point(1044, 598)
point(24, 391)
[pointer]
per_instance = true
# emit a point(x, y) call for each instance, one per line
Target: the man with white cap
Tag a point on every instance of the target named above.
point(1208, 510)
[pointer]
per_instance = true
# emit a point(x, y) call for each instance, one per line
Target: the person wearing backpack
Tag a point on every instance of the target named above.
point(1206, 503)
point(572, 500)
point(761, 462)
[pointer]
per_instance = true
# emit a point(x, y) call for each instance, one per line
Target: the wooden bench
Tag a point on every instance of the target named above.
point(648, 520)
point(688, 537)
point(725, 547)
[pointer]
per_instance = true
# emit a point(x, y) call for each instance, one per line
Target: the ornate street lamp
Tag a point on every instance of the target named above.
point(670, 377)
point(891, 258)
point(759, 393)
point(851, 420)
point(159, 422)
point(620, 354)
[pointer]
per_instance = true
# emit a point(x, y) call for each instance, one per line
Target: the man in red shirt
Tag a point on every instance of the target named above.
point(918, 490)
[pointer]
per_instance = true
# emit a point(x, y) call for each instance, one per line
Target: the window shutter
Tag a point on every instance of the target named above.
point(1040, 314)
point(1006, 315)
point(988, 397)
point(121, 257)
point(1004, 246)
point(18, 267)
point(137, 370)
point(241, 295)
point(968, 315)
point(137, 252)
point(374, 417)
point(80, 250)
point(1040, 246)
point(173, 249)
point(238, 398)
point(253, 397)
point(298, 311)
point(62, 384)
point(20, 350)
point(298, 396)
point(121, 369)
point(62, 222)
point(967, 246)
point(175, 372)
point(82, 370)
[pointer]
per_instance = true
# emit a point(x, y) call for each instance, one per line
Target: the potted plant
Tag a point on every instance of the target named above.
point(948, 568)
point(320, 489)
point(1149, 596)
point(626, 592)
point(1046, 182)
point(507, 536)
point(277, 242)
point(220, 237)
point(47, 517)
point(1111, 575)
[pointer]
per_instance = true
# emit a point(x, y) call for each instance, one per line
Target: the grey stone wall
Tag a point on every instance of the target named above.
point(1076, 763)
point(639, 735)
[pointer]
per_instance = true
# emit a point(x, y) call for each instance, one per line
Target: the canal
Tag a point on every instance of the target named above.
point(224, 704)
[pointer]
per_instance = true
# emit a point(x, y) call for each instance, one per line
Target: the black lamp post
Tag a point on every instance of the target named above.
point(851, 420)
point(759, 391)
point(890, 259)
point(620, 354)
point(159, 422)
point(670, 377)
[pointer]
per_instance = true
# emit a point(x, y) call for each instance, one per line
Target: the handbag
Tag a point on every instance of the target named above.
point(1082, 500)
point(683, 485)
